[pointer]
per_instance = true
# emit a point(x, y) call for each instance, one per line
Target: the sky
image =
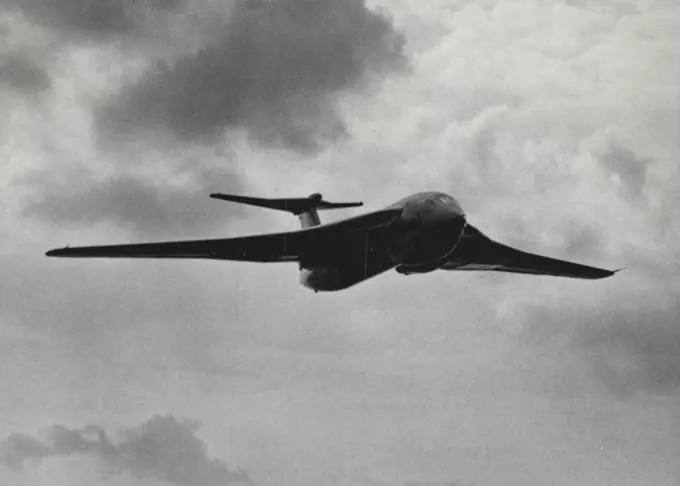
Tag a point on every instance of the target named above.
point(555, 125)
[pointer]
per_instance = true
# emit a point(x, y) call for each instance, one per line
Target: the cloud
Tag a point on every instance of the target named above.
point(628, 342)
point(23, 75)
point(19, 447)
point(162, 448)
point(147, 207)
point(445, 483)
point(160, 451)
point(93, 19)
point(629, 167)
point(273, 70)
point(635, 349)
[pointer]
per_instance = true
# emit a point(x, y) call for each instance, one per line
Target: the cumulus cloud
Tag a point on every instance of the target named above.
point(23, 75)
point(18, 447)
point(162, 448)
point(629, 167)
point(273, 71)
point(145, 206)
point(162, 451)
point(93, 19)
point(627, 343)
point(637, 349)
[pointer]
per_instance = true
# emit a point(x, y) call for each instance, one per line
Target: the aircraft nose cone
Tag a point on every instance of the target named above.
point(437, 212)
point(449, 205)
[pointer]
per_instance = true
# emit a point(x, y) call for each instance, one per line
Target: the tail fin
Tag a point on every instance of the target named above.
point(304, 208)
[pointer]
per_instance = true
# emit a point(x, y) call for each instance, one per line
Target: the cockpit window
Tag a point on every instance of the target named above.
point(444, 198)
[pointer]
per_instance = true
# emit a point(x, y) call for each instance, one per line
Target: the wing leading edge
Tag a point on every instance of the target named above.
point(274, 247)
point(479, 252)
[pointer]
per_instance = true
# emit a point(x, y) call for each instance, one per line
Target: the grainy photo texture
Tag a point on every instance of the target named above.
point(546, 126)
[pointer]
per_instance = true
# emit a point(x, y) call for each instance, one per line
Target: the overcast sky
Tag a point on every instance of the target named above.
point(555, 124)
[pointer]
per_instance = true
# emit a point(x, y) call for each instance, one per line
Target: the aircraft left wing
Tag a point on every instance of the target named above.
point(317, 242)
point(479, 252)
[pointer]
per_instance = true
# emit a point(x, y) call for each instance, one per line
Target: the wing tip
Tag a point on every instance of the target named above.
point(608, 273)
point(57, 252)
point(223, 197)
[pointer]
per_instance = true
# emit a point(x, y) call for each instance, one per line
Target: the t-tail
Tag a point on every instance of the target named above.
point(305, 208)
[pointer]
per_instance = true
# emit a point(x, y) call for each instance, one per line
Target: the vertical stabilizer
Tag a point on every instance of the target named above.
point(309, 218)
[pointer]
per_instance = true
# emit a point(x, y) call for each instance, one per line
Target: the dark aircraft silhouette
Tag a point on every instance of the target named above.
point(418, 234)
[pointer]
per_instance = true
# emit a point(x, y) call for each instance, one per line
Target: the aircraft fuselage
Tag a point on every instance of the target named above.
point(420, 240)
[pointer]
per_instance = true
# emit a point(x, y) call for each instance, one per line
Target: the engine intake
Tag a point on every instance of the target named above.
point(428, 249)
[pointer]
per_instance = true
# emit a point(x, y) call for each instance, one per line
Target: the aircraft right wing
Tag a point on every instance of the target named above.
point(479, 252)
point(317, 243)
point(259, 248)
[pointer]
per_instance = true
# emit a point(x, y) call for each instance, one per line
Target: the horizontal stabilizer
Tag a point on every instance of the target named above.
point(292, 205)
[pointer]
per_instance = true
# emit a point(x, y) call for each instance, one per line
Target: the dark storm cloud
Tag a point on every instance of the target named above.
point(629, 345)
point(273, 71)
point(629, 167)
point(162, 448)
point(644, 344)
point(584, 241)
point(147, 208)
point(19, 447)
point(23, 74)
point(92, 19)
